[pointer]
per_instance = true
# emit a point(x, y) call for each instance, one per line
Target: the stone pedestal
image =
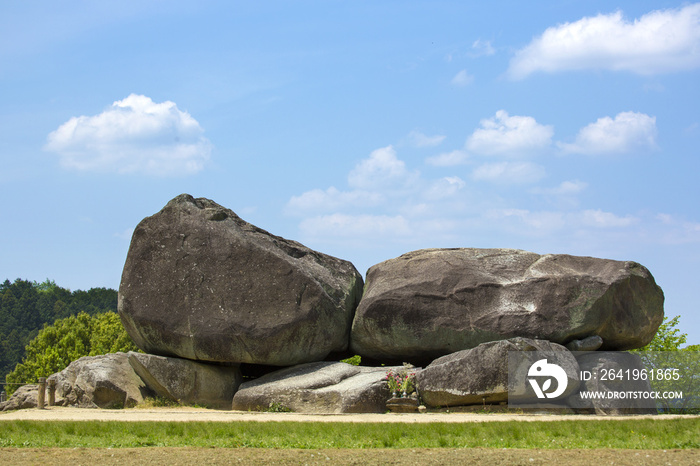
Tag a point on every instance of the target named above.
point(403, 405)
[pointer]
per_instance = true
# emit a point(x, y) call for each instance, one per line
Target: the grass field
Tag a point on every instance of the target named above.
point(646, 434)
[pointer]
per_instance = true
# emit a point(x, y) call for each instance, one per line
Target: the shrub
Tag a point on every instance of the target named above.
point(69, 339)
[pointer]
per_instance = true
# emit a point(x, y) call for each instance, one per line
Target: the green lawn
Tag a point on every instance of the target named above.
point(634, 434)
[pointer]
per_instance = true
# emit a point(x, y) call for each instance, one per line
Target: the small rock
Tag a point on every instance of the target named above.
point(591, 343)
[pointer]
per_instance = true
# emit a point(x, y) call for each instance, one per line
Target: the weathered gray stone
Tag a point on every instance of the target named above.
point(618, 362)
point(432, 302)
point(407, 404)
point(106, 381)
point(202, 284)
point(320, 387)
point(480, 375)
point(591, 343)
point(187, 382)
point(24, 397)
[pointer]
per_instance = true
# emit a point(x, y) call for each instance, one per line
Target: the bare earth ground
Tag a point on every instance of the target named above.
point(422, 456)
point(425, 456)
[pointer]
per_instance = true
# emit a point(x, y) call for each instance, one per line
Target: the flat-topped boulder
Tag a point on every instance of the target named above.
point(319, 388)
point(201, 283)
point(433, 302)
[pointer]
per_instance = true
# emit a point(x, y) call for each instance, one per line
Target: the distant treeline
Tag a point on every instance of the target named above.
point(26, 306)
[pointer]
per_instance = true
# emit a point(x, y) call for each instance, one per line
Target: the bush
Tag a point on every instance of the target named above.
point(69, 339)
point(355, 360)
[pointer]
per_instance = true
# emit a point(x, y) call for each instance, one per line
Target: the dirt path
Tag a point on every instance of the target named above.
point(184, 414)
point(420, 456)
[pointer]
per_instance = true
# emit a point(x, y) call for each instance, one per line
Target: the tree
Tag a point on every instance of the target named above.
point(26, 306)
point(46, 285)
point(672, 368)
point(69, 339)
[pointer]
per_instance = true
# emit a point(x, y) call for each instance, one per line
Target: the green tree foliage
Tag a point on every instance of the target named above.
point(26, 306)
point(69, 339)
point(678, 367)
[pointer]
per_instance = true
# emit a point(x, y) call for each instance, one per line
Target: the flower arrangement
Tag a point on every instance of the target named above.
point(401, 382)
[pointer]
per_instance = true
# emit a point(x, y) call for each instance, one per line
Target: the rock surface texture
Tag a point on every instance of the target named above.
point(433, 302)
point(321, 387)
point(187, 382)
point(200, 283)
point(106, 381)
point(24, 397)
point(480, 375)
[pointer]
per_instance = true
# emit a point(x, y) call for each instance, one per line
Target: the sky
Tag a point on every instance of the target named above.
point(361, 129)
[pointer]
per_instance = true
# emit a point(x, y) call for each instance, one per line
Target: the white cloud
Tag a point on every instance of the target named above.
point(448, 159)
point(544, 221)
point(387, 209)
point(692, 128)
point(462, 79)
point(509, 135)
point(381, 170)
point(677, 231)
point(629, 130)
point(570, 187)
point(374, 180)
point(444, 187)
point(482, 48)
point(343, 225)
point(661, 41)
point(134, 135)
point(564, 196)
point(566, 188)
point(539, 221)
point(332, 199)
point(599, 219)
point(509, 172)
point(418, 139)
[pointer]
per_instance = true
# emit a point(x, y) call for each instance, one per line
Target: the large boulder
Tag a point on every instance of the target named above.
point(187, 382)
point(481, 375)
point(24, 397)
point(200, 283)
point(320, 387)
point(433, 302)
point(106, 381)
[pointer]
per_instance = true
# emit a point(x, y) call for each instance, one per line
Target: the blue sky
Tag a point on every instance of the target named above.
point(361, 129)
